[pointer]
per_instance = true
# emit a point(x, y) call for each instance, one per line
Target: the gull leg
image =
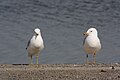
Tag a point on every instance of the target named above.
point(87, 61)
point(94, 56)
point(31, 60)
point(37, 59)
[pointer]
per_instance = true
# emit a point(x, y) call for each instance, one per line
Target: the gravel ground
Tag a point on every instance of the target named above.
point(60, 72)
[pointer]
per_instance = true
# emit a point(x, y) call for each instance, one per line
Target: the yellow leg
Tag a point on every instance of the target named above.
point(36, 59)
point(94, 56)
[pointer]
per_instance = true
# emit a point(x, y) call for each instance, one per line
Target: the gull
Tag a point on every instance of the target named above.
point(91, 43)
point(35, 45)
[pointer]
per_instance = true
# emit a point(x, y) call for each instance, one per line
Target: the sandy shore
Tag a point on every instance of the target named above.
point(60, 72)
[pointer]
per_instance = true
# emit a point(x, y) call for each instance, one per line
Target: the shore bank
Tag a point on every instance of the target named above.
point(60, 72)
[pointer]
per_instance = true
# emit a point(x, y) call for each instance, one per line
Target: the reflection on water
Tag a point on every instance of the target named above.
point(62, 23)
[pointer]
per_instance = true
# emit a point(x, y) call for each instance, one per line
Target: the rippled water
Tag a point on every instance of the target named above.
point(62, 23)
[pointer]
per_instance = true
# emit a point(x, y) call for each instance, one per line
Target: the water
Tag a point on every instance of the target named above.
point(62, 23)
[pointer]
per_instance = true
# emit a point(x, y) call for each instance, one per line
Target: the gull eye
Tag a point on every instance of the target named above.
point(90, 31)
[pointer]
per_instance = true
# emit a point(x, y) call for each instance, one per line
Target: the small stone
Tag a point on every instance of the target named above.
point(113, 67)
point(103, 70)
point(118, 76)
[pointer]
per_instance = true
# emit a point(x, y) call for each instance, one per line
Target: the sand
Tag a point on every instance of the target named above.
point(60, 72)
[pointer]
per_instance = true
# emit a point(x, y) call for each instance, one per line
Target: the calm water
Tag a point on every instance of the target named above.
point(62, 23)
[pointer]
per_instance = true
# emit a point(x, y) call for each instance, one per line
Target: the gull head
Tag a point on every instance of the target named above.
point(91, 31)
point(37, 31)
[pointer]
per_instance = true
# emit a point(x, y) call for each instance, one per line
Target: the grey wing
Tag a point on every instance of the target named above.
point(28, 44)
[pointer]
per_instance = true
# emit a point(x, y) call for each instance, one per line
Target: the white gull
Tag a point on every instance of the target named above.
point(91, 43)
point(35, 45)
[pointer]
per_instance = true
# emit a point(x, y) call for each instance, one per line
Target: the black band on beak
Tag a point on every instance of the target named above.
point(85, 34)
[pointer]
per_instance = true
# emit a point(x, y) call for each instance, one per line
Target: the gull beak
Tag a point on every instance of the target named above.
point(37, 34)
point(85, 34)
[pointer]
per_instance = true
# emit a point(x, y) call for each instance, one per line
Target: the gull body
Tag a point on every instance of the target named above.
point(91, 43)
point(35, 45)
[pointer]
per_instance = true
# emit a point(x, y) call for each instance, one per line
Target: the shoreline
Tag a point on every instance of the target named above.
point(59, 72)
